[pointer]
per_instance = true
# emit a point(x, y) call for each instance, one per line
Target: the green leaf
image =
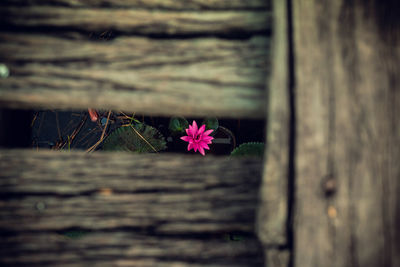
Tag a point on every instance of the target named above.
point(130, 138)
point(249, 149)
point(177, 125)
point(211, 123)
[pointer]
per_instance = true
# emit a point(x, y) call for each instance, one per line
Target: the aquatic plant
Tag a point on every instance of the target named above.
point(177, 125)
point(139, 138)
point(211, 124)
point(198, 139)
point(249, 149)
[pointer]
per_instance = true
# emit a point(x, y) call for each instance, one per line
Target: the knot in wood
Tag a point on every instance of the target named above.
point(329, 186)
point(4, 71)
point(40, 206)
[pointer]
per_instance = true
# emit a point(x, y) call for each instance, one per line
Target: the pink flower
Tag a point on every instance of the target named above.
point(198, 138)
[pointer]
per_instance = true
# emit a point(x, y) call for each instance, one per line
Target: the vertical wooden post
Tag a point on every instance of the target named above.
point(347, 74)
point(272, 219)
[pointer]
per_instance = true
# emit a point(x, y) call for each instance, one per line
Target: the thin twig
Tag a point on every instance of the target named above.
point(142, 137)
point(132, 118)
point(58, 127)
point(88, 133)
point(61, 145)
point(105, 127)
point(41, 118)
point(92, 148)
point(126, 116)
point(34, 118)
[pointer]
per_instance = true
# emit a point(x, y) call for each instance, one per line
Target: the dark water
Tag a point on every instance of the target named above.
point(51, 128)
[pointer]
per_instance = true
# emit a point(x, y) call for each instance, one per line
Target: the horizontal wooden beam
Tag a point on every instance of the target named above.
point(138, 207)
point(124, 248)
point(167, 193)
point(137, 21)
point(160, 4)
point(194, 77)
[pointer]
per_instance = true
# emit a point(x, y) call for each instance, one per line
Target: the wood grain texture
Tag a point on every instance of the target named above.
point(146, 189)
point(347, 56)
point(158, 77)
point(152, 4)
point(277, 257)
point(137, 21)
point(149, 208)
point(124, 248)
point(273, 209)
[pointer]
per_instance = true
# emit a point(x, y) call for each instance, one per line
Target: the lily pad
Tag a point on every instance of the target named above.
point(249, 149)
point(177, 125)
point(211, 124)
point(139, 138)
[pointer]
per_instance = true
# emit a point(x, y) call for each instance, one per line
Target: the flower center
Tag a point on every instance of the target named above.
point(198, 138)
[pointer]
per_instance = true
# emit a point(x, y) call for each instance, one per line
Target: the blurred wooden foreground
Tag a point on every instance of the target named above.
point(324, 74)
point(131, 209)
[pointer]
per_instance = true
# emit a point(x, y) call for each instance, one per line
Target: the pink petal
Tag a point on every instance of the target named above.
point(197, 138)
point(207, 132)
point(194, 127)
point(190, 146)
point(208, 142)
point(207, 138)
point(204, 145)
point(192, 132)
point(186, 138)
point(201, 150)
point(202, 128)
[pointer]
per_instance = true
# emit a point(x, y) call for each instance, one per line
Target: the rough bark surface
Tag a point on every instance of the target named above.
point(200, 77)
point(347, 56)
point(145, 210)
point(273, 210)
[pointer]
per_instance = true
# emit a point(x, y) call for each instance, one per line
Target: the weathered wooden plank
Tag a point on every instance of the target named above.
point(347, 56)
point(199, 77)
point(148, 4)
point(272, 212)
point(155, 208)
point(277, 257)
point(137, 21)
point(126, 248)
point(157, 191)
